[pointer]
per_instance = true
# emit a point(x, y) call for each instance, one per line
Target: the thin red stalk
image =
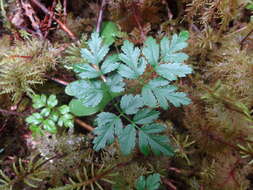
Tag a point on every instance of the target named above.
point(84, 125)
point(220, 140)
point(232, 174)
point(244, 39)
point(7, 112)
point(100, 16)
point(59, 81)
point(138, 22)
point(63, 26)
point(50, 18)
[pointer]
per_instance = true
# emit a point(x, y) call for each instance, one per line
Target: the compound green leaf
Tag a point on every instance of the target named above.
point(149, 140)
point(145, 116)
point(86, 71)
point(134, 66)
point(127, 139)
point(109, 125)
point(97, 51)
point(173, 71)
point(151, 51)
point(110, 64)
point(131, 104)
point(158, 93)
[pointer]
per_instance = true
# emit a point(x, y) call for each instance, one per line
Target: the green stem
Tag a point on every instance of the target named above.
point(125, 116)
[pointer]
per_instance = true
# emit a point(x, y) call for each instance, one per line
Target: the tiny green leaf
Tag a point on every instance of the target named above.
point(157, 143)
point(54, 116)
point(34, 119)
point(110, 64)
point(184, 35)
point(151, 51)
point(134, 66)
point(173, 71)
point(69, 123)
point(96, 52)
point(66, 117)
point(170, 48)
point(35, 129)
point(158, 92)
point(45, 112)
point(52, 101)
point(153, 182)
point(127, 139)
point(86, 71)
point(250, 6)
point(49, 126)
point(131, 104)
point(140, 183)
point(145, 116)
point(64, 109)
point(39, 101)
point(115, 83)
point(109, 32)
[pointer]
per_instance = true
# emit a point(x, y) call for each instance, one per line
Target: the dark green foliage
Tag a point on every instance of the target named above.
point(130, 64)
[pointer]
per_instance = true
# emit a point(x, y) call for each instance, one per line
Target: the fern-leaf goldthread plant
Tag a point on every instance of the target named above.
point(104, 78)
point(49, 116)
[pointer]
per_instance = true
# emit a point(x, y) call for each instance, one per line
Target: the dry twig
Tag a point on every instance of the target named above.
point(63, 26)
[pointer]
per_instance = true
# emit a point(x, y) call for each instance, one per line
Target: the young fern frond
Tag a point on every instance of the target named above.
point(30, 174)
point(89, 178)
point(5, 182)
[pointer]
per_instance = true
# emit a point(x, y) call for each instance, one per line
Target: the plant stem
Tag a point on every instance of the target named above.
point(125, 116)
point(100, 16)
point(84, 125)
point(99, 21)
point(13, 113)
